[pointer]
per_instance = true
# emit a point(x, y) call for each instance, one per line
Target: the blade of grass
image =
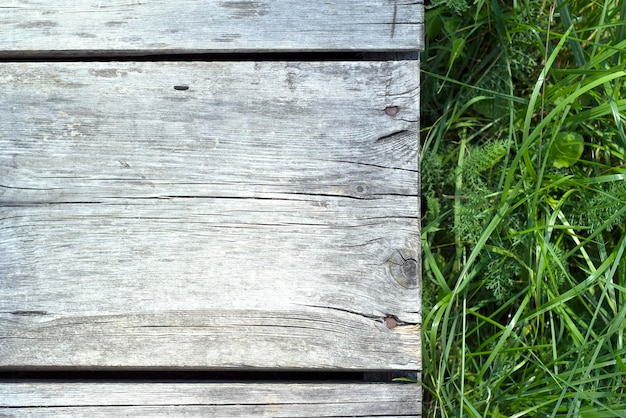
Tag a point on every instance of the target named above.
point(568, 25)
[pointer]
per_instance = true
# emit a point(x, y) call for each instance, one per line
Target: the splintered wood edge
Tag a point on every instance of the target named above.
point(225, 399)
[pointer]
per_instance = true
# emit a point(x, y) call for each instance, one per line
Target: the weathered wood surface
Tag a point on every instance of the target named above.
point(208, 399)
point(265, 217)
point(132, 27)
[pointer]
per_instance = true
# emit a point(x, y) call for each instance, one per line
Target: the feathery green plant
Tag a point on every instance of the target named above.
point(524, 196)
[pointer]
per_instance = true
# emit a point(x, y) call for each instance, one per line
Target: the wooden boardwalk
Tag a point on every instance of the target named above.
point(251, 205)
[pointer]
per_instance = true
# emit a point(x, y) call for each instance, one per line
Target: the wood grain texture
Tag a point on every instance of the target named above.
point(208, 399)
point(136, 27)
point(266, 217)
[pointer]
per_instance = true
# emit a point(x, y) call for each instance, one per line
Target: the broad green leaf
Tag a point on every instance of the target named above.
point(566, 149)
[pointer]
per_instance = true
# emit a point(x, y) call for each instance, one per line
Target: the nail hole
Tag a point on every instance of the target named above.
point(181, 87)
point(391, 322)
point(392, 110)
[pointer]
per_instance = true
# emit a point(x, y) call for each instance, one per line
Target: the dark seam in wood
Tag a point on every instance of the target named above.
point(344, 310)
point(373, 165)
point(164, 56)
point(29, 313)
point(395, 17)
point(391, 135)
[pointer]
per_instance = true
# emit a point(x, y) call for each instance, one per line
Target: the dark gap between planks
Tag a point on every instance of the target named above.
point(203, 376)
point(139, 56)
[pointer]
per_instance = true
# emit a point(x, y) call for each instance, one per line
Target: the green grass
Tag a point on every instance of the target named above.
point(524, 200)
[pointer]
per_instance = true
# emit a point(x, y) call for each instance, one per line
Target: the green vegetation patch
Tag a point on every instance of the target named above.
point(523, 167)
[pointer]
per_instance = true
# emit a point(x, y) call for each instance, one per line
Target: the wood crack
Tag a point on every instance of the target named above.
point(28, 313)
point(14, 204)
point(374, 165)
point(25, 188)
point(376, 318)
point(346, 196)
point(396, 194)
point(392, 135)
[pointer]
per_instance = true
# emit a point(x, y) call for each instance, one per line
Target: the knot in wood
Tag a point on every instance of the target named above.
point(404, 267)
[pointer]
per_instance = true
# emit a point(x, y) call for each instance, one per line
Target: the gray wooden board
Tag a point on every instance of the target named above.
point(266, 217)
point(208, 399)
point(131, 27)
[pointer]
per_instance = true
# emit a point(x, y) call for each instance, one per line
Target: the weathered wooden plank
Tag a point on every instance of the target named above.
point(208, 399)
point(131, 27)
point(228, 339)
point(267, 216)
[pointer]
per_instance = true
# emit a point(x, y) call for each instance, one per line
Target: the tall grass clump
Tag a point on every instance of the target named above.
point(524, 208)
